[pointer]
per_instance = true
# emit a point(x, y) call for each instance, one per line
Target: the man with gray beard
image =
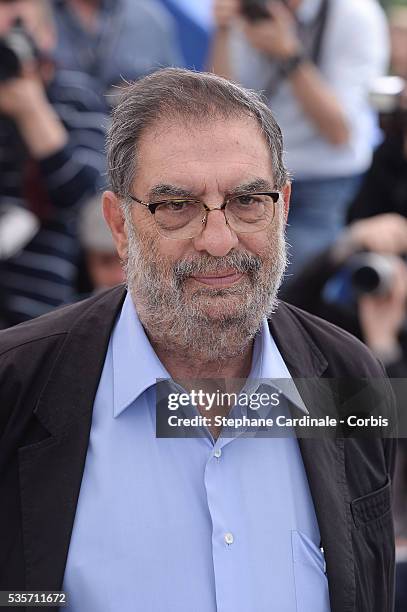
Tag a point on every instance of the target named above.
point(211, 340)
point(94, 502)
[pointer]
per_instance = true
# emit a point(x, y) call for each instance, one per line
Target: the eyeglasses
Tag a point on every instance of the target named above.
point(183, 218)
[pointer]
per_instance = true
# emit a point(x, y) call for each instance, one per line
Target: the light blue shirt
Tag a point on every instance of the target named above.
point(192, 524)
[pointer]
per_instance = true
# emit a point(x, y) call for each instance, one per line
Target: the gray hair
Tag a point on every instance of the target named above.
point(175, 92)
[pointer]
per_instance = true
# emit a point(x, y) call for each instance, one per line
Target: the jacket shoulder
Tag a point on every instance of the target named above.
point(54, 324)
point(29, 352)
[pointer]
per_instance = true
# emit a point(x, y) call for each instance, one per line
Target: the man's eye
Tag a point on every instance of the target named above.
point(246, 200)
point(176, 205)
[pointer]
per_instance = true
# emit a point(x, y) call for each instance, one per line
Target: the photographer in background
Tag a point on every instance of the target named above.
point(115, 39)
point(360, 284)
point(384, 188)
point(314, 59)
point(51, 158)
point(360, 281)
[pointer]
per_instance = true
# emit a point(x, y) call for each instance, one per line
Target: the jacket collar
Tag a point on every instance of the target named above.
point(86, 345)
point(302, 356)
point(78, 369)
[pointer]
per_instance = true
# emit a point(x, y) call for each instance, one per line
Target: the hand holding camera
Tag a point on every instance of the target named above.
point(276, 35)
point(373, 251)
point(21, 87)
point(381, 317)
point(24, 71)
point(269, 25)
point(386, 233)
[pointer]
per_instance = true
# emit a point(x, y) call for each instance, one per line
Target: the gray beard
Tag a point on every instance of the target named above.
point(180, 322)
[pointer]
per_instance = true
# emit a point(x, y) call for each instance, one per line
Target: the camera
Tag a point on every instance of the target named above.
point(386, 98)
point(16, 48)
point(363, 273)
point(385, 93)
point(254, 10)
point(371, 273)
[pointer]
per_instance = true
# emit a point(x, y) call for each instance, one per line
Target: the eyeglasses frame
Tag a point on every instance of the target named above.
point(152, 206)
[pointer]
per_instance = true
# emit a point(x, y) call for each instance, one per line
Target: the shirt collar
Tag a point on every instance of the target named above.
point(268, 363)
point(136, 365)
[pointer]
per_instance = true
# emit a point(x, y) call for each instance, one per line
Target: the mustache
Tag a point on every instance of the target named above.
point(237, 260)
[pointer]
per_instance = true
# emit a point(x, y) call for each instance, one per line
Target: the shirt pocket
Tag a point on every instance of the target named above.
point(311, 583)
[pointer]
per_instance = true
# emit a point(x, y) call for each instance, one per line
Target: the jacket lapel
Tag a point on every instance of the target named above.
point(324, 461)
point(51, 470)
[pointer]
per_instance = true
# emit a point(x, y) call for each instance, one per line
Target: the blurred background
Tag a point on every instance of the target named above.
point(334, 73)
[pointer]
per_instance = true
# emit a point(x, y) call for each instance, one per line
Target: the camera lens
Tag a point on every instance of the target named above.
point(9, 64)
point(366, 279)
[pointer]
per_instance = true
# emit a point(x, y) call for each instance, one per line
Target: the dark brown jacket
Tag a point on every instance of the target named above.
point(49, 373)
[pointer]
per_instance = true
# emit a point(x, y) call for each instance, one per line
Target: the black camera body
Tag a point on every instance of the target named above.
point(386, 98)
point(16, 48)
point(254, 10)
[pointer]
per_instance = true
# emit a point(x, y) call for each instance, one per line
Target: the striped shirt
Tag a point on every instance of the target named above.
point(43, 274)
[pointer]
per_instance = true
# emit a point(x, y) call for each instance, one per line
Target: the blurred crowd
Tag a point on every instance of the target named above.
point(333, 71)
point(61, 66)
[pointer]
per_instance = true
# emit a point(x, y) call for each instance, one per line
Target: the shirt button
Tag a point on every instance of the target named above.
point(229, 539)
point(218, 453)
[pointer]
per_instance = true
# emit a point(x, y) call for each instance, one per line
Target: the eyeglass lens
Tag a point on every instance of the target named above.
point(185, 218)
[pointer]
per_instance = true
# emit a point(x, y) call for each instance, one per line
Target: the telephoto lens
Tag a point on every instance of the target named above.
point(372, 273)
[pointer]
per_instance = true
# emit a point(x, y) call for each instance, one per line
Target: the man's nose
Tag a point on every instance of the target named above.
point(216, 238)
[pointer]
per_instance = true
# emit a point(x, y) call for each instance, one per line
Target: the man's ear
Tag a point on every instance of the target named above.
point(286, 195)
point(114, 217)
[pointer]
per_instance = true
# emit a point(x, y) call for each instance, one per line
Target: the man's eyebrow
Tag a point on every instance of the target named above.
point(256, 185)
point(165, 189)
